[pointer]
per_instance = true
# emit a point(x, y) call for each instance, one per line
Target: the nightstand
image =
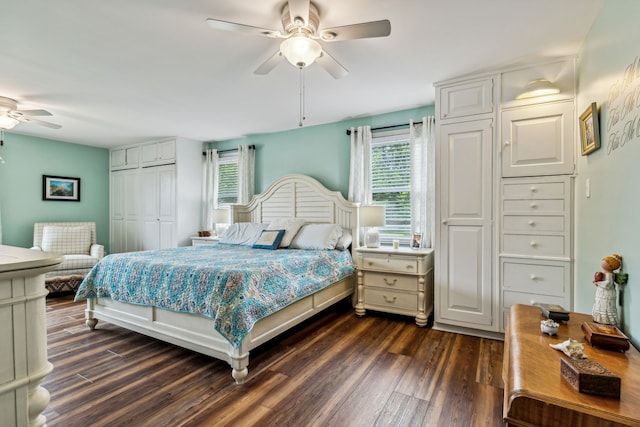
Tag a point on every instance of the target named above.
point(396, 281)
point(195, 241)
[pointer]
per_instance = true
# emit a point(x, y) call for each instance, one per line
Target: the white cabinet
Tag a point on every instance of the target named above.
point(464, 281)
point(396, 281)
point(538, 140)
point(536, 241)
point(466, 99)
point(124, 207)
point(157, 190)
point(125, 157)
point(158, 153)
point(157, 206)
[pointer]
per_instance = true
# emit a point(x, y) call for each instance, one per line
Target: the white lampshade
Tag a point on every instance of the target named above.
point(372, 217)
point(7, 122)
point(300, 50)
point(221, 216)
point(539, 87)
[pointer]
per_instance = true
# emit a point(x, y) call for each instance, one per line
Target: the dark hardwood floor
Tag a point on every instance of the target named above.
point(334, 370)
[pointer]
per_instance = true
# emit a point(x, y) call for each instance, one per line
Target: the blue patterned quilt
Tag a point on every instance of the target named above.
point(234, 285)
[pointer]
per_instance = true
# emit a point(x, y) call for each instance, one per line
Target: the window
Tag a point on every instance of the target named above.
point(228, 179)
point(391, 183)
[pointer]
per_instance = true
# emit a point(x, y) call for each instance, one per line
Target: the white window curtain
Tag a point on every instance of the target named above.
point(209, 188)
point(246, 173)
point(360, 166)
point(422, 140)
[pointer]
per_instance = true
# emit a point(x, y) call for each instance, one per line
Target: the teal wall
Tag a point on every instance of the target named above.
point(607, 222)
point(26, 160)
point(322, 151)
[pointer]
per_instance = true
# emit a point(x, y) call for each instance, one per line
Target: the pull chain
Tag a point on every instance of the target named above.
point(302, 112)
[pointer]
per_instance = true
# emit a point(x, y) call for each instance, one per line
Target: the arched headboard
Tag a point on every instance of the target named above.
point(300, 196)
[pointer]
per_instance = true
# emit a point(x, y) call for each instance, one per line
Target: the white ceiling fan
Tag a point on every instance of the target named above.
point(11, 116)
point(301, 22)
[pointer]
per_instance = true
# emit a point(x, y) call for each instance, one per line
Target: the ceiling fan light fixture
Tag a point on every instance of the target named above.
point(7, 122)
point(539, 87)
point(301, 50)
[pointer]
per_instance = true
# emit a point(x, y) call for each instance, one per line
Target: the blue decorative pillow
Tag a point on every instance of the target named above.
point(269, 239)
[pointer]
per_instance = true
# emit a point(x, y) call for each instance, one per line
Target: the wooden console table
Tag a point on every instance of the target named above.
point(535, 394)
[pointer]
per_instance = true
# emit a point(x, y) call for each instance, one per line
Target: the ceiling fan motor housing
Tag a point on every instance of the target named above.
point(291, 27)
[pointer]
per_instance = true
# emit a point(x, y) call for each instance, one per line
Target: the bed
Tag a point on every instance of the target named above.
point(292, 196)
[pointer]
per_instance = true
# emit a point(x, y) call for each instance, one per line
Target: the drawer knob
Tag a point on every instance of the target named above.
point(370, 263)
point(534, 205)
point(390, 283)
point(389, 300)
point(533, 244)
point(532, 223)
point(534, 189)
point(534, 277)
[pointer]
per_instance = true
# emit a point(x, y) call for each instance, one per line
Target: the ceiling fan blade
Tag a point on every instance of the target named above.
point(269, 64)
point(31, 112)
point(241, 28)
point(299, 10)
point(357, 31)
point(26, 119)
point(331, 66)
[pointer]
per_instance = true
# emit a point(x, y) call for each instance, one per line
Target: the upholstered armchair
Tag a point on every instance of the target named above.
point(76, 242)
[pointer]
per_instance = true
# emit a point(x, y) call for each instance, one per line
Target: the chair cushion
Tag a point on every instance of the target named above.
point(66, 240)
point(77, 262)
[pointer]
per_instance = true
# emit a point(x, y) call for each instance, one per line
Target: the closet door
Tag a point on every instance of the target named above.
point(125, 231)
point(465, 287)
point(158, 194)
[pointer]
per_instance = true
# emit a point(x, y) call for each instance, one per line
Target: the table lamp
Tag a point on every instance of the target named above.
point(221, 218)
point(372, 217)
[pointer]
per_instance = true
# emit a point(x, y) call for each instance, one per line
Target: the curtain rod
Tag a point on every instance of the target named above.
point(251, 147)
point(386, 127)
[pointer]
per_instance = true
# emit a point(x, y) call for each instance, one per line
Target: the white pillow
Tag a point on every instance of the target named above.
point(317, 236)
point(66, 240)
point(291, 227)
point(345, 240)
point(242, 233)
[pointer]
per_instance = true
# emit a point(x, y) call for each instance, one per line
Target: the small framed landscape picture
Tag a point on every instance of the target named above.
point(60, 188)
point(416, 241)
point(589, 129)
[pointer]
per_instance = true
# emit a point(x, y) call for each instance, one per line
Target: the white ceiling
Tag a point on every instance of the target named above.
point(114, 72)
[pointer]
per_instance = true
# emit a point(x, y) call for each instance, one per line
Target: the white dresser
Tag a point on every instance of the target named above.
point(23, 333)
point(396, 281)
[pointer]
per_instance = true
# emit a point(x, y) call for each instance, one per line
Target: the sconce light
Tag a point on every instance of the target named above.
point(372, 217)
point(539, 87)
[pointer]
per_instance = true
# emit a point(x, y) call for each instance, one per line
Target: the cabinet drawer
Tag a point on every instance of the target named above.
point(391, 281)
point(395, 264)
point(525, 244)
point(510, 298)
point(535, 277)
point(390, 300)
point(534, 206)
point(533, 224)
point(535, 190)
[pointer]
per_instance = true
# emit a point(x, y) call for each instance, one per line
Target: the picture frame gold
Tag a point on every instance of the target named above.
point(590, 129)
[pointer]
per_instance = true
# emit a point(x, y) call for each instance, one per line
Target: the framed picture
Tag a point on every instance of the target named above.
point(416, 241)
point(590, 130)
point(60, 188)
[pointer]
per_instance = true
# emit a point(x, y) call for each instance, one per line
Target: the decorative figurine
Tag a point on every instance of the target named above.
point(604, 307)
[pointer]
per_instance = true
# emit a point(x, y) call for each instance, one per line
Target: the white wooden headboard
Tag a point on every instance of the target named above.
point(300, 196)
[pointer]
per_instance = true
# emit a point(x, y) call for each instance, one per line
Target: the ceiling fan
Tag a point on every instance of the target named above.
point(11, 116)
point(301, 22)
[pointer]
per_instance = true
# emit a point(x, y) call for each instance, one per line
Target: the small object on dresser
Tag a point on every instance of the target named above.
point(605, 336)
point(554, 311)
point(205, 233)
point(588, 376)
point(549, 327)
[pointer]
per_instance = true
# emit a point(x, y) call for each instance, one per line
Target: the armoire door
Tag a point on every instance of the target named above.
point(465, 285)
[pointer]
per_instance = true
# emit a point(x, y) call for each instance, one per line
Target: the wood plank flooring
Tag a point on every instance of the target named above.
point(336, 369)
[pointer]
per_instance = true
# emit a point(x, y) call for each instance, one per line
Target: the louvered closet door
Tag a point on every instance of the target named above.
point(465, 288)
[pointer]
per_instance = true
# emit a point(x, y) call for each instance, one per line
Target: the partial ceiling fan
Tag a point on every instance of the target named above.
point(11, 116)
point(300, 21)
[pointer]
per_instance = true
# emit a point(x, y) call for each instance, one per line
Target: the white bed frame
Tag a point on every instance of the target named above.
point(290, 196)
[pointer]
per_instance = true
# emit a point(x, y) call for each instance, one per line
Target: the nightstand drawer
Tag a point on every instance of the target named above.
point(395, 264)
point(391, 281)
point(389, 299)
point(533, 224)
point(534, 245)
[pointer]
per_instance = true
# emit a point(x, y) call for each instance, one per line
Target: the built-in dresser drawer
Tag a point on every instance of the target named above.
point(533, 207)
point(525, 275)
point(390, 263)
point(390, 300)
point(534, 245)
point(534, 190)
point(391, 281)
point(533, 224)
